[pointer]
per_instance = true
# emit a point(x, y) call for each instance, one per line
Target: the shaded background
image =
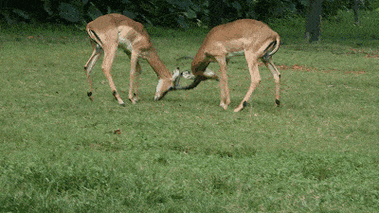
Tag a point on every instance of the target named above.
point(168, 13)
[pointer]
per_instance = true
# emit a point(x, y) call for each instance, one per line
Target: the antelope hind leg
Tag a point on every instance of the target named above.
point(89, 65)
point(276, 74)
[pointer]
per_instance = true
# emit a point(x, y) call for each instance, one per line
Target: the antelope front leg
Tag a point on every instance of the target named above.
point(225, 98)
point(252, 62)
point(134, 73)
point(136, 82)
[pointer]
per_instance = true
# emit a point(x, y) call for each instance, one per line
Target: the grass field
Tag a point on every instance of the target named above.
point(318, 152)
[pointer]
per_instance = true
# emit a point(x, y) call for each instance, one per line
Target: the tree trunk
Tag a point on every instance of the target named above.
point(313, 27)
point(356, 5)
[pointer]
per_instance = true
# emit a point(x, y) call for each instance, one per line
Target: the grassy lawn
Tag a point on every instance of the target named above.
point(318, 152)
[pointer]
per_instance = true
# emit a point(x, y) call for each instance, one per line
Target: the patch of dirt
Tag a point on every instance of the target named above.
point(311, 69)
point(367, 54)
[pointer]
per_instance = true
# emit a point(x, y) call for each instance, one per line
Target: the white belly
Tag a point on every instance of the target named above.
point(125, 44)
point(237, 53)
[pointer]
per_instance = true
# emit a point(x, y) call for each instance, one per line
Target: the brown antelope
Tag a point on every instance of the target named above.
point(111, 31)
point(252, 38)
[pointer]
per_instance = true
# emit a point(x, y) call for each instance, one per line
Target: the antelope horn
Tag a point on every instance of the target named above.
point(195, 82)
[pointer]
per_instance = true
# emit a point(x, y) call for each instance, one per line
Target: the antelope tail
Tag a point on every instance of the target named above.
point(92, 34)
point(276, 45)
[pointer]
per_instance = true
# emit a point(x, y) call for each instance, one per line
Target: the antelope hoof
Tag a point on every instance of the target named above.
point(133, 100)
point(240, 107)
point(224, 106)
point(277, 102)
point(89, 94)
point(121, 102)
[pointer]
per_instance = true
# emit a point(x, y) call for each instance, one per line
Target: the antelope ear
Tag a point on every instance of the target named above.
point(176, 78)
point(188, 75)
point(175, 74)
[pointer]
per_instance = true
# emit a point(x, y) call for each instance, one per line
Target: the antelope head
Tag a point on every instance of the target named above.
point(167, 84)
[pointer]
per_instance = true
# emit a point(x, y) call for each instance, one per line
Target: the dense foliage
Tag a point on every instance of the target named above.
point(169, 13)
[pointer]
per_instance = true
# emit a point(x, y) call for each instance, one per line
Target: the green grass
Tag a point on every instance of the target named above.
point(318, 152)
